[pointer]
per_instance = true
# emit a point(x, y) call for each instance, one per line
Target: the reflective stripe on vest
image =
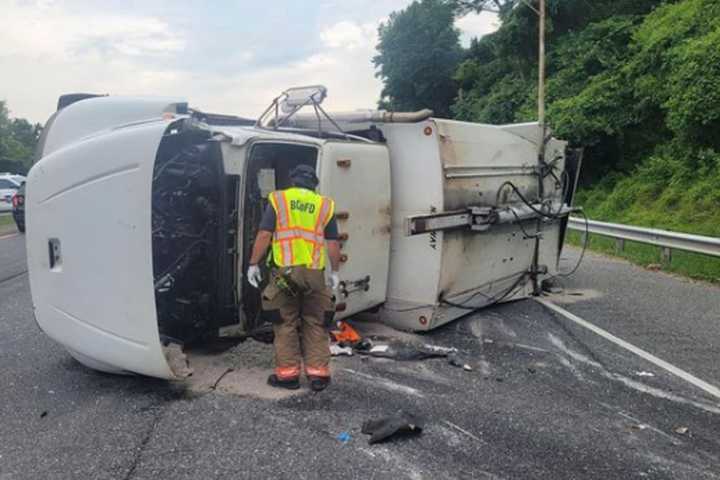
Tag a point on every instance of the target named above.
point(301, 218)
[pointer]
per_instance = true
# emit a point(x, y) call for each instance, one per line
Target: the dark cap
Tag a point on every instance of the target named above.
point(304, 176)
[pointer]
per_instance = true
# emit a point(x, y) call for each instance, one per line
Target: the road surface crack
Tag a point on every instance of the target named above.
point(11, 277)
point(137, 457)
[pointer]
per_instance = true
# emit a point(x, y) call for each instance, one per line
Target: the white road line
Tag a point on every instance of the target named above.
point(688, 377)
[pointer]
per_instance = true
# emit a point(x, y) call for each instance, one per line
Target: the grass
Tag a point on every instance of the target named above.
point(7, 224)
point(676, 189)
point(693, 265)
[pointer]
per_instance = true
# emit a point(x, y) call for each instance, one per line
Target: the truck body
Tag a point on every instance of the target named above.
point(141, 213)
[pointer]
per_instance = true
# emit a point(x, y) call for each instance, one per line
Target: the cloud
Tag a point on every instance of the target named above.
point(343, 65)
point(44, 29)
point(349, 35)
point(475, 25)
point(190, 51)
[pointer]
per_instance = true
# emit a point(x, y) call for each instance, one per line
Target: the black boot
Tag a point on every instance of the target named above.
point(318, 384)
point(290, 384)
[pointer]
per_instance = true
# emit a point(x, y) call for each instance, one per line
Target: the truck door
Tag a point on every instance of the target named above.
point(357, 177)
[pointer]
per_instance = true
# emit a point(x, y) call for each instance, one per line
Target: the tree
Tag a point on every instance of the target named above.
point(419, 50)
point(18, 138)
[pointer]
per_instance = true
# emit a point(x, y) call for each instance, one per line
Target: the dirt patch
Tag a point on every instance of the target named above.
point(241, 370)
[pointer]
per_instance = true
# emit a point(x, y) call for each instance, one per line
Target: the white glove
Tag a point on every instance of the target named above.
point(254, 277)
point(334, 280)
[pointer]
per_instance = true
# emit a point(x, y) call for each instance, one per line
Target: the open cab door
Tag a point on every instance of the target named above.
point(357, 176)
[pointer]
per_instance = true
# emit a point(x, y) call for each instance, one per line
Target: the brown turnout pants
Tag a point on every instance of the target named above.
point(300, 323)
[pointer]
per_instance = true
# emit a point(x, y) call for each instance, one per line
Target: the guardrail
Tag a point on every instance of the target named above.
point(668, 241)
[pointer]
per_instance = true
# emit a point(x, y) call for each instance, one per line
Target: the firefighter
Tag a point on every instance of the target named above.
point(302, 228)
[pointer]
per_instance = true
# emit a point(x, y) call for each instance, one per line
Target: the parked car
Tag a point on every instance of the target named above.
point(18, 205)
point(9, 184)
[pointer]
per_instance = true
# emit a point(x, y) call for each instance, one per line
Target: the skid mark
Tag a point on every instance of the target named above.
point(573, 354)
point(629, 382)
point(644, 425)
point(385, 383)
point(502, 326)
point(678, 469)
point(485, 367)
point(399, 462)
point(529, 347)
point(688, 377)
point(463, 431)
point(422, 372)
point(659, 393)
point(570, 366)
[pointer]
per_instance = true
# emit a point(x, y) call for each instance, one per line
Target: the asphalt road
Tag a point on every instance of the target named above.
point(546, 399)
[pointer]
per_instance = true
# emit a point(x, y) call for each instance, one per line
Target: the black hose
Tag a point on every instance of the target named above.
point(492, 300)
point(553, 216)
point(584, 248)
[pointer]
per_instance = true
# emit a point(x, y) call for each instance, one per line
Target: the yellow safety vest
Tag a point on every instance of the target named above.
point(300, 219)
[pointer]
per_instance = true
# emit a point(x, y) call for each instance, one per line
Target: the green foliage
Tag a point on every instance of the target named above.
point(18, 138)
point(670, 190)
point(419, 50)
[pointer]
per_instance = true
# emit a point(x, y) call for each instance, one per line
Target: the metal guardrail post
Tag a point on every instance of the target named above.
point(666, 240)
point(619, 245)
point(666, 255)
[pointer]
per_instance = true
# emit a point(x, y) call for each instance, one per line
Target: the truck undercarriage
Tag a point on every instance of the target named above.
point(194, 218)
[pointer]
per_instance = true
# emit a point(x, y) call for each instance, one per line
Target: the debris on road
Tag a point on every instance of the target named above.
point(455, 360)
point(344, 437)
point(402, 424)
point(177, 360)
point(644, 374)
point(400, 350)
point(681, 430)
point(336, 350)
point(345, 334)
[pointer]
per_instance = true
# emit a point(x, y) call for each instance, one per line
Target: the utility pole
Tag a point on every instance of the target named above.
point(535, 270)
point(542, 123)
point(541, 78)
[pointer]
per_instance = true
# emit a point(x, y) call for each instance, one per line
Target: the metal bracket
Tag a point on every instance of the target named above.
point(478, 219)
point(350, 286)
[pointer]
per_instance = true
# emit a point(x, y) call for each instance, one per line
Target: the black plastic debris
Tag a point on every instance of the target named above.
point(400, 424)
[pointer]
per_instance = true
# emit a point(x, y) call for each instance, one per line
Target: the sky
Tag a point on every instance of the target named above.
point(229, 57)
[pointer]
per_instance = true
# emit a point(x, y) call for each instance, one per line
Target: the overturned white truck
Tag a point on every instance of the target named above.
point(141, 214)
